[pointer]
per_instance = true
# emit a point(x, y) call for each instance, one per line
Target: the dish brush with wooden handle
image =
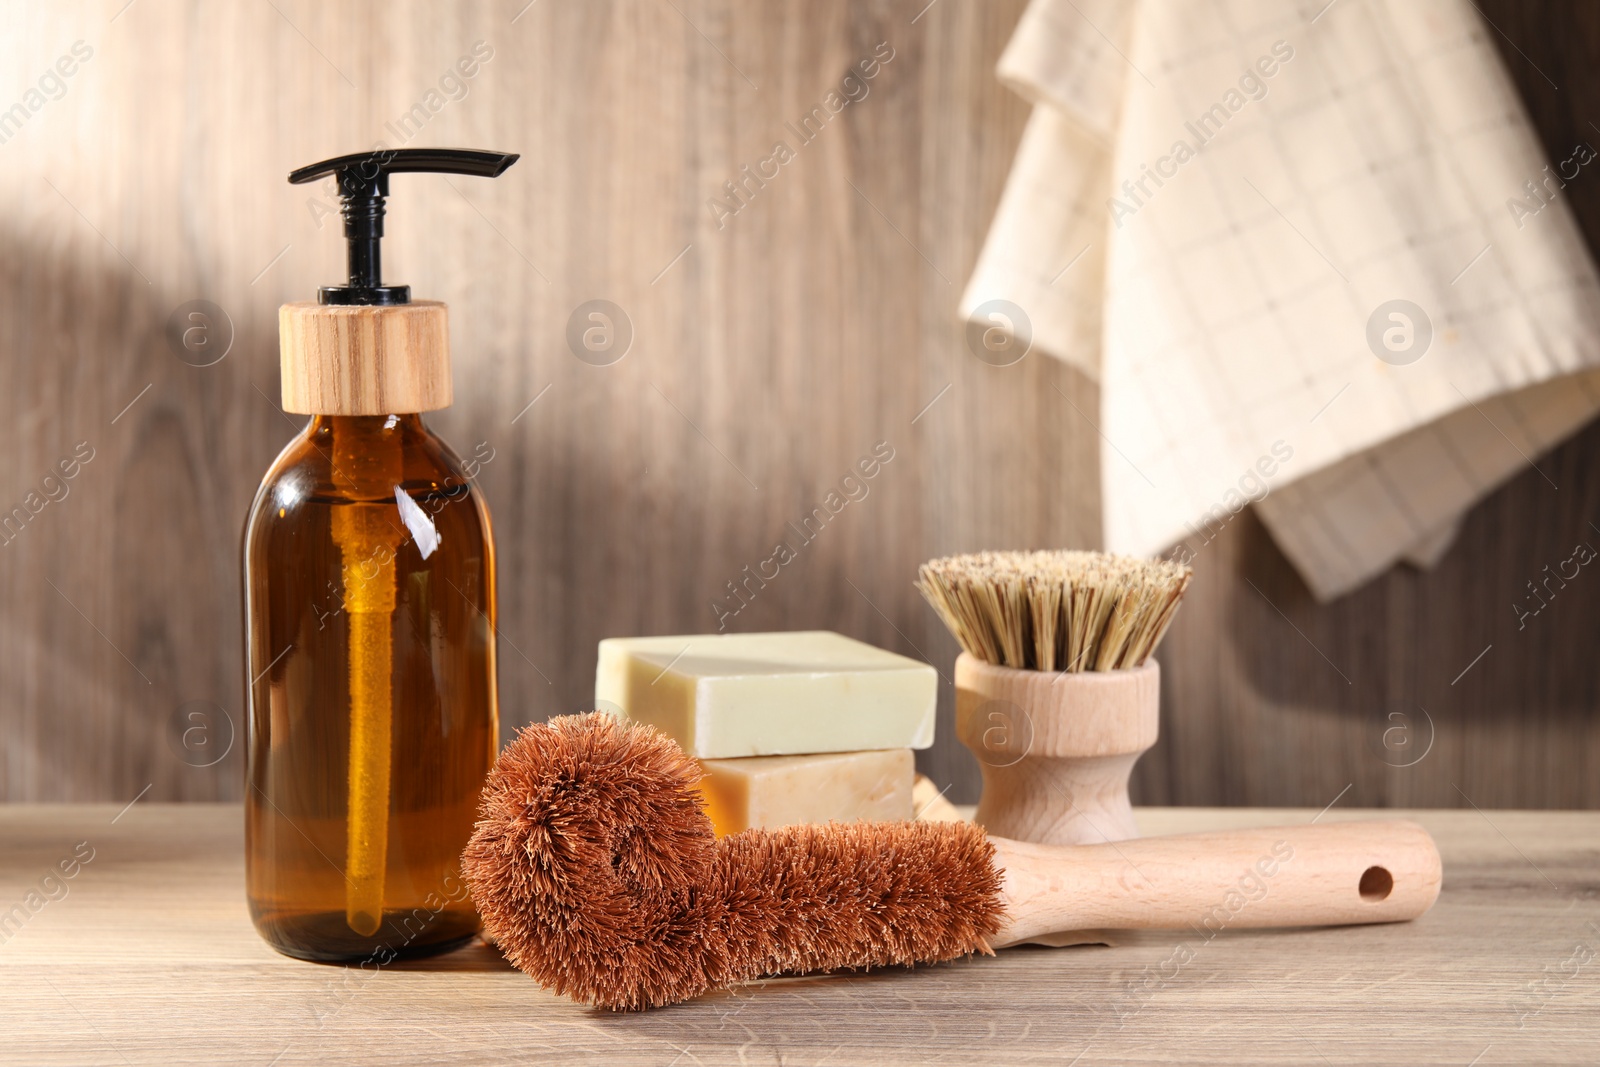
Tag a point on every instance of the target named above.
point(1056, 693)
point(596, 871)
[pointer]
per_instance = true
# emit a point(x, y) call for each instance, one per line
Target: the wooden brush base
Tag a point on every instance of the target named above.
point(1056, 749)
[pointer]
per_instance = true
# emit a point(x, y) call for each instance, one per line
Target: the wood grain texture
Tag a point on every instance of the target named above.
point(1374, 871)
point(771, 349)
point(1055, 748)
point(364, 360)
point(149, 958)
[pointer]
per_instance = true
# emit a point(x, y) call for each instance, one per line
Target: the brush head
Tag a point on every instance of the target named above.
point(1055, 611)
point(596, 871)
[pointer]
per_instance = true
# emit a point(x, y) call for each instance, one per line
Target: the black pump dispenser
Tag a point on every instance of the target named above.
point(363, 184)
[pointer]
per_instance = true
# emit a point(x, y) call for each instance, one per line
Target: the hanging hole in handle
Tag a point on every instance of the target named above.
point(1376, 884)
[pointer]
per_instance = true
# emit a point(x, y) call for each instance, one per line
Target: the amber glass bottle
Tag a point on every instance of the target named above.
point(373, 717)
point(369, 613)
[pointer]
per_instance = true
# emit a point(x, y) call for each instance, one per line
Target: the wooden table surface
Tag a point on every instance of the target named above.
point(148, 957)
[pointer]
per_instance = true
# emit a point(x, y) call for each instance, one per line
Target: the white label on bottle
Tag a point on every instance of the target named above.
point(423, 532)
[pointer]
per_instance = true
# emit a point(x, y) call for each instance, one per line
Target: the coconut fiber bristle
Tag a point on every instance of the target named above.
point(1055, 611)
point(596, 871)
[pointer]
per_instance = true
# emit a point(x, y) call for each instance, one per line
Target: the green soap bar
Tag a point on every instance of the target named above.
point(773, 694)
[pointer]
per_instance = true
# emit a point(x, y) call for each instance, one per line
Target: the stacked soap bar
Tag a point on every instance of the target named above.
point(785, 790)
point(790, 727)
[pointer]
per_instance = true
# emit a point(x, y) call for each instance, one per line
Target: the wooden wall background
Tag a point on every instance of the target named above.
point(768, 356)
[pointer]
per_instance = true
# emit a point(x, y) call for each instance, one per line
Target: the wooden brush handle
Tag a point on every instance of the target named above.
point(1056, 748)
point(1330, 875)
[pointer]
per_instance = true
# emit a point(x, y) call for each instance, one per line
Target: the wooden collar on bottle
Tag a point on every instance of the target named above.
point(364, 360)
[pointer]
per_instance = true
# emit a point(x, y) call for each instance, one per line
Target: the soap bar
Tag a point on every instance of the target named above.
point(776, 694)
point(771, 791)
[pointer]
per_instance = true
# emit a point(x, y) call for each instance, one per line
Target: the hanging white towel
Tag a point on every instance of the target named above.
point(1315, 258)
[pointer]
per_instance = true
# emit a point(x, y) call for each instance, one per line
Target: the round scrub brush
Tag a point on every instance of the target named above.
point(596, 871)
point(1056, 693)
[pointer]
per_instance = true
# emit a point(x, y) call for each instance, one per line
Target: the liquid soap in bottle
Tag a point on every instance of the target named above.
point(370, 616)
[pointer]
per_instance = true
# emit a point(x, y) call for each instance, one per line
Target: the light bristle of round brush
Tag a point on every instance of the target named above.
point(595, 870)
point(1055, 611)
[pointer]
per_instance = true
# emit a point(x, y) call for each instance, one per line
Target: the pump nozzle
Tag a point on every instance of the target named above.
point(363, 185)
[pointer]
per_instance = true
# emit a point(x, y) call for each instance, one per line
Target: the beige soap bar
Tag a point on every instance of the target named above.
point(776, 694)
point(772, 791)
